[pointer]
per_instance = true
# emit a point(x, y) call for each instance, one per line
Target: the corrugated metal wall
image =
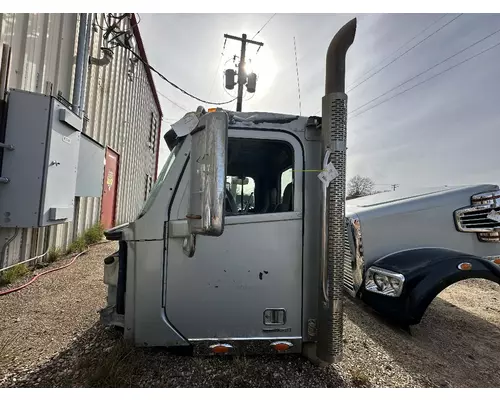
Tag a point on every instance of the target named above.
point(119, 107)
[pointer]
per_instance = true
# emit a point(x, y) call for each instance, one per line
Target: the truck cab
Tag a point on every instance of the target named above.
point(218, 269)
point(256, 283)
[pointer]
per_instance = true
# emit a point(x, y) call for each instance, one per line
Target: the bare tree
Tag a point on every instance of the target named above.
point(359, 186)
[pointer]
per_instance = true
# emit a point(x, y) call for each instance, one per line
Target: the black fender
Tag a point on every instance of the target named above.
point(427, 272)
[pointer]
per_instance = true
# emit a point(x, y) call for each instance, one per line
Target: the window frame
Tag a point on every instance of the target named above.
point(153, 127)
point(281, 189)
point(298, 164)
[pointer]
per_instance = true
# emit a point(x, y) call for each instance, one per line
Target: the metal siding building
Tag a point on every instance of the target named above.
point(121, 105)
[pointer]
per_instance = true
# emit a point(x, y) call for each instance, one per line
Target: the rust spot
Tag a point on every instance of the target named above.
point(191, 216)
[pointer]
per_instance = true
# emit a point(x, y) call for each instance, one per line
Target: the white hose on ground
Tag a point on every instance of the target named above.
point(25, 261)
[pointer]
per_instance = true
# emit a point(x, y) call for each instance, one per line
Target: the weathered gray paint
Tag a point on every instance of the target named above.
point(157, 301)
point(255, 264)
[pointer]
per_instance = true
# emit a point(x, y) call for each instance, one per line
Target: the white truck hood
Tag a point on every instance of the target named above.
point(405, 219)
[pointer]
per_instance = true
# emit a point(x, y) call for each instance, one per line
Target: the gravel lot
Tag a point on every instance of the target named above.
point(50, 337)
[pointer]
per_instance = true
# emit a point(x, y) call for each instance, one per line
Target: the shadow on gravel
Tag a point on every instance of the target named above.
point(451, 347)
point(100, 358)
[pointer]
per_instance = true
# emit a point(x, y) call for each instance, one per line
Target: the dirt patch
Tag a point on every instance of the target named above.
point(51, 337)
point(457, 344)
point(48, 315)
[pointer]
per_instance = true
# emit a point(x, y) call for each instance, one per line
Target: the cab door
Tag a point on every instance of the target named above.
point(246, 283)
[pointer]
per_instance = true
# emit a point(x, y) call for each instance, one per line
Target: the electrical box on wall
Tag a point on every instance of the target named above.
point(90, 168)
point(41, 169)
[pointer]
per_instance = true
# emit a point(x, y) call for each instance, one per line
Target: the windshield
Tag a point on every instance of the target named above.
point(163, 174)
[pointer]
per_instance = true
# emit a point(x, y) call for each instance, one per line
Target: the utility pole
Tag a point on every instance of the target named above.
point(394, 186)
point(242, 77)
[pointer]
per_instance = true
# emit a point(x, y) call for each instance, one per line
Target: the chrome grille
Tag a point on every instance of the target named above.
point(348, 277)
point(475, 218)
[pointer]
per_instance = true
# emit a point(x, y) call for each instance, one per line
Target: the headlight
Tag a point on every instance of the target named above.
point(381, 281)
point(384, 282)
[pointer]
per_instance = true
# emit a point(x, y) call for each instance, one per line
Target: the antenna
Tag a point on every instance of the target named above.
point(298, 81)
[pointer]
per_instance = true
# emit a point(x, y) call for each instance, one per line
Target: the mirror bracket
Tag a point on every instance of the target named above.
point(189, 245)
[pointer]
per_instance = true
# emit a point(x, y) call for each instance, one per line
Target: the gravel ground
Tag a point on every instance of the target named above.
point(50, 337)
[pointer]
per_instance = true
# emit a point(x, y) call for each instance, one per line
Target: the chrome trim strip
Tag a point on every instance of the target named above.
point(246, 339)
point(255, 218)
point(493, 196)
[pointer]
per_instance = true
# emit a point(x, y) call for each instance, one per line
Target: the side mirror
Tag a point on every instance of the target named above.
point(208, 162)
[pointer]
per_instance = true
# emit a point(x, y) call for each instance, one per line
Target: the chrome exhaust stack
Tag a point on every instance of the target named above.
point(334, 135)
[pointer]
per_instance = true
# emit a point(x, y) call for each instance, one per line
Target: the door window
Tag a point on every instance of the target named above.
point(254, 172)
point(242, 191)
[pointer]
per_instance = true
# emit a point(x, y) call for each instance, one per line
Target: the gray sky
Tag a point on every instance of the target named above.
point(444, 131)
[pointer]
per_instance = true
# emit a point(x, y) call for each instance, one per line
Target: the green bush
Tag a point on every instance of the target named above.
point(13, 274)
point(54, 255)
point(90, 236)
point(94, 234)
point(77, 246)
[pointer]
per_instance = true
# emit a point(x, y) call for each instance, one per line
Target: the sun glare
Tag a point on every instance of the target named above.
point(264, 65)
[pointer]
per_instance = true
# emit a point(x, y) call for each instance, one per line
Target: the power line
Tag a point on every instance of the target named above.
point(173, 84)
point(218, 66)
point(427, 70)
point(406, 52)
point(428, 79)
point(395, 51)
point(260, 30)
point(173, 102)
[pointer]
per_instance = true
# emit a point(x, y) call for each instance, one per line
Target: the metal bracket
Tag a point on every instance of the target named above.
point(189, 245)
point(6, 146)
point(4, 180)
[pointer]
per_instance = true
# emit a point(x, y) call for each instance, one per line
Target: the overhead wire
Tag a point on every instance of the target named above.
point(404, 53)
point(218, 66)
point(395, 51)
point(126, 31)
point(217, 103)
point(260, 30)
point(171, 101)
point(427, 70)
point(146, 64)
point(428, 79)
point(96, 22)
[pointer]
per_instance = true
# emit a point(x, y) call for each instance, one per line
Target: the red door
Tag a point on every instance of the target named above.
point(108, 204)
